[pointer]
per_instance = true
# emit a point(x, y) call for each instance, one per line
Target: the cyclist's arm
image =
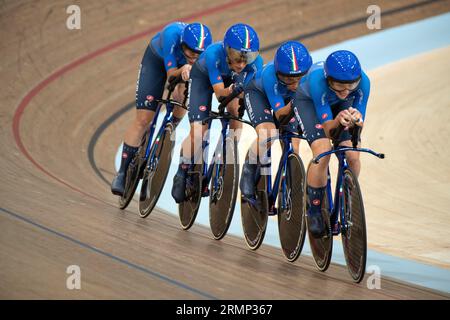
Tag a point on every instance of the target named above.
point(221, 91)
point(252, 69)
point(269, 81)
point(177, 71)
point(362, 96)
point(170, 62)
point(323, 110)
point(318, 92)
point(215, 76)
point(330, 125)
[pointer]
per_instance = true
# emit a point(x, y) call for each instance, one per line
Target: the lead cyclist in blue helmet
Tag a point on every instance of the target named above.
point(335, 92)
point(171, 52)
point(268, 101)
point(225, 67)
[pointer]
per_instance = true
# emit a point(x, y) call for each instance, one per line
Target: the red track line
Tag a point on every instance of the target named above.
point(55, 75)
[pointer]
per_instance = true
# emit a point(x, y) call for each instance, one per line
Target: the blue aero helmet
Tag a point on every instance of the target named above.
point(292, 59)
point(343, 66)
point(196, 36)
point(241, 42)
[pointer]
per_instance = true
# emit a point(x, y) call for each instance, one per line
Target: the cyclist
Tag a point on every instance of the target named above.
point(335, 92)
point(171, 52)
point(225, 67)
point(268, 101)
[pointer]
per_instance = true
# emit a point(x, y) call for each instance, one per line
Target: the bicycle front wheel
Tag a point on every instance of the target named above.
point(291, 217)
point(353, 232)
point(155, 174)
point(224, 187)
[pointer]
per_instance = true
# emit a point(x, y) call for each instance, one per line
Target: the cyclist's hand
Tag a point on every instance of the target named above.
point(237, 88)
point(238, 78)
point(356, 116)
point(185, 72)
point(345, 118)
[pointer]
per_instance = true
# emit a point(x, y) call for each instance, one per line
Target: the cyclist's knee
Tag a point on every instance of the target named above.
point(296, 145)
point(320, 146)
point(352, 159)
point(266, 128)
point(233, 107)
point(266, 131)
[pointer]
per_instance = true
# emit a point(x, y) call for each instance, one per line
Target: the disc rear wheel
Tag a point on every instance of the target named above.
point(223, 188)
point(353, 229)
point(187, 210)
point(155, 174)
point(134, 174)
point(291, 218)
point(254, 215)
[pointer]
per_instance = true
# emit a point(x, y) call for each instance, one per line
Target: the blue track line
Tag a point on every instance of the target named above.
point(106, 254)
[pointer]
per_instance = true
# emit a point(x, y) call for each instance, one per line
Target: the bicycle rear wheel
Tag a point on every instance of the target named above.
point(222, 199)
point(254, 216)
point(291, 218)
point(353, 232)
point(187, 210)
point(321, 248)
point(155, 174)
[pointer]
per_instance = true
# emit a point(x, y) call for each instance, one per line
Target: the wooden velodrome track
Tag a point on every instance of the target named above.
point(59, 86)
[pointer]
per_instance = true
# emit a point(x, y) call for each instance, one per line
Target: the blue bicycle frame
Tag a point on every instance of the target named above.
point(208, 169)
point(167, 118)
point(224, 118)
point(336, 209)
point(287, 149)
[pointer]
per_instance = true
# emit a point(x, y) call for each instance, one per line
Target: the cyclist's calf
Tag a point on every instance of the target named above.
point(192, 144)
point(317, 176)
point(137, 129)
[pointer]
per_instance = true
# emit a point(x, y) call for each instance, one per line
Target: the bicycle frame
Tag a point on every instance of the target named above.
point(287, 149)
point(336, 208)
point(167, 118)
point(208, 169)
point(224, 118)
point(170, 104)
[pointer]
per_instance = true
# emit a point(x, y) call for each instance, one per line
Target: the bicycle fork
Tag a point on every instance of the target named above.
point(219, 158)
point(283, 168)
point(338, 221)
